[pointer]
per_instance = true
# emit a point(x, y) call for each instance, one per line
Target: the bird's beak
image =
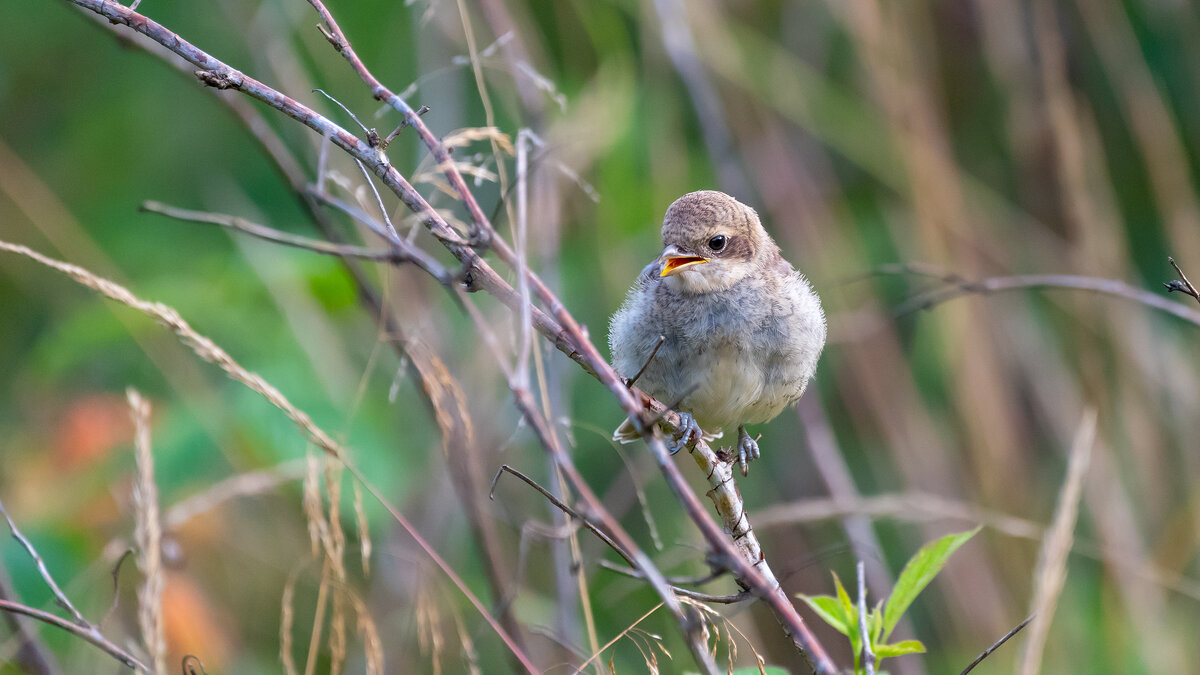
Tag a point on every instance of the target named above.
point(674, 261)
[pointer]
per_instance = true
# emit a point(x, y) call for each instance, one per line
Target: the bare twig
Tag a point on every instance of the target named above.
point(81, 626)
point(562, 506)
point(86, 633)
point(958, 287)
point(399, 251)
point(868, 656)
point(654, 352)
point(730, 599)
point(383, 210)
point(59, 596)
point(395, 132)
point(116, 583)
point(996, 645)
point(676, 581)
point(1184, 286)
point(31, 653)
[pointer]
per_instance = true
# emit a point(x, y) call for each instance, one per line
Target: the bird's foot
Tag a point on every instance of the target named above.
point(689, 432)
point(747, 449)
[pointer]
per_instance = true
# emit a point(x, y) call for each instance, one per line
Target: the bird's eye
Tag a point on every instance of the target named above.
point(717, 243)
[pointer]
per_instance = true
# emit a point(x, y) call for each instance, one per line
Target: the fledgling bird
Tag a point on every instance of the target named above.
point(741, 330)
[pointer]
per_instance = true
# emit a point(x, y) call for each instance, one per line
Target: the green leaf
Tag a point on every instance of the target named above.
point(899, 649)
point(851, 613)
point(917, 574)
point(829, 609)
point(753, 670)
point(847, 604)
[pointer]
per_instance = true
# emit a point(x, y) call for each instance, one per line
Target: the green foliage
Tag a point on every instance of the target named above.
point(842, 614)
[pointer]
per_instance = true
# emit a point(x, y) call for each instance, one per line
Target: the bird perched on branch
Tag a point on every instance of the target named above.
point(719, 325)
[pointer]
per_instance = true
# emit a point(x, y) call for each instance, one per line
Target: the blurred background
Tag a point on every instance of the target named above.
point(973, 138)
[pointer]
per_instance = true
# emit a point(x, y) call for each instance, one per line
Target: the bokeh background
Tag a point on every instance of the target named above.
point(976, 138)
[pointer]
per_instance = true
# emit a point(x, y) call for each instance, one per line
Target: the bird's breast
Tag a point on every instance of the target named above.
point(735, 360)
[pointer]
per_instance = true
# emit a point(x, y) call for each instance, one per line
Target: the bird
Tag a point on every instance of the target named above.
point(719, 326)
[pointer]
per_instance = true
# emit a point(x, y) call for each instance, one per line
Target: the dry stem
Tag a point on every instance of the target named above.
point(148, 535)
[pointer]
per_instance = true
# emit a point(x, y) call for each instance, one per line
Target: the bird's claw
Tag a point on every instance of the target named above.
point(747, 450)
point(689, 432)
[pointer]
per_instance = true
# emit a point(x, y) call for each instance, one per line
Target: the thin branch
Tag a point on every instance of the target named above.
point(1184, 286)
point(344, 109)
point(318, 193)
point(958, 287)
point(59, 596)
point(31, 653)
point(398, 253)
point(81, 626)
point(565, 508)
point(116, 583)
point(404, 123)
point(378, 200)
point(86, 633)
point(868, 656)
point(686, 592)
point(996, 645)
point(654, 352)
point(675, 581)
point(562, 506)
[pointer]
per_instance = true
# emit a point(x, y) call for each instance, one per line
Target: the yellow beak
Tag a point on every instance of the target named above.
point(673, 264)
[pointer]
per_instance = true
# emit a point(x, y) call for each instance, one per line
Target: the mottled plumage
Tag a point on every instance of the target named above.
point(743, 330)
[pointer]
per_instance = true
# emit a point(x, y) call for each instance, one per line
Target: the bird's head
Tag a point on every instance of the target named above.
point(711, 241)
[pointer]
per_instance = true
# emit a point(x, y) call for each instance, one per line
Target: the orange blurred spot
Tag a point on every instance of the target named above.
point(91, 427)
point(193, 625)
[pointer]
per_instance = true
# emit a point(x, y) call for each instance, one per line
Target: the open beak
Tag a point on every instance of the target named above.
point(675, 261)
